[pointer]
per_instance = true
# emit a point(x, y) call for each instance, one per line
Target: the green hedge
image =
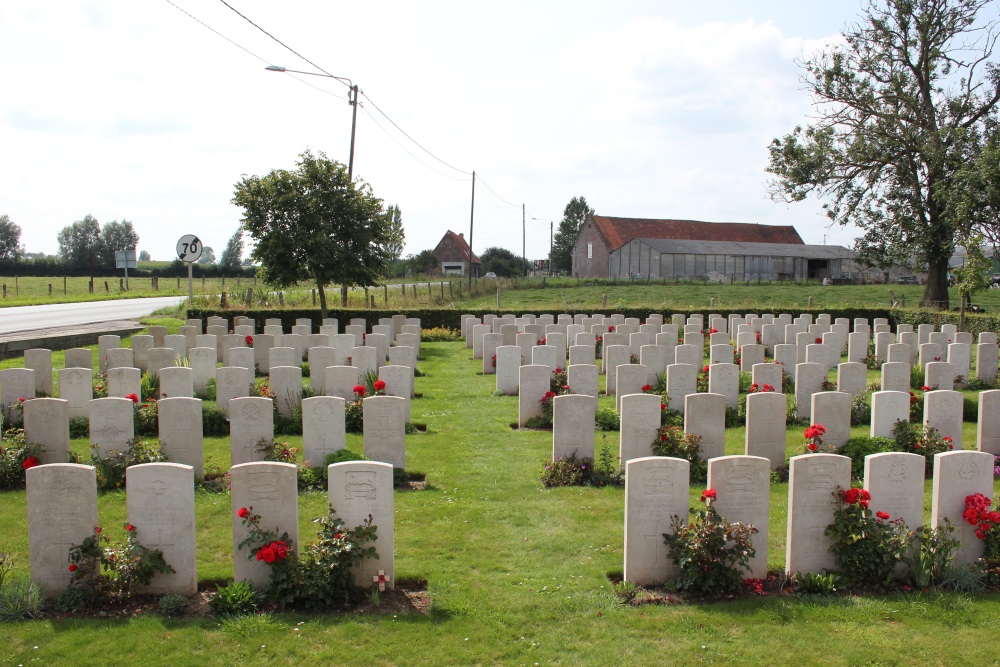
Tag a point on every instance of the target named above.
point(451, 318)
point(974, 323)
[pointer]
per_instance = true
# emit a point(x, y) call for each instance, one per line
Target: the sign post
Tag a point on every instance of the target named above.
point(189, 249)
point(125, 259)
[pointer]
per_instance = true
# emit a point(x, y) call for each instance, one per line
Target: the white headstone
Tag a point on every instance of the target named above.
point(656, 489)
point(743, 485)
point(180, 426)
point(46, 423)
point(765, 430)
point(956, 476)
point(268, 489)
point(323, 428)
point(385, 430)
point(357, 490)
point(812, 481)
point(251, 426)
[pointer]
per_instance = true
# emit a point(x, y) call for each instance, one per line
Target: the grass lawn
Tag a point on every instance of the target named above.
point(517, 573)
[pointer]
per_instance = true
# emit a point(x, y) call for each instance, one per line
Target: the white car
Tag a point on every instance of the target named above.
point(490, 275)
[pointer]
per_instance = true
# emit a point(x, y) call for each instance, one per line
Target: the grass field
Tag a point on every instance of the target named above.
point(556, 294)
point(517, 573)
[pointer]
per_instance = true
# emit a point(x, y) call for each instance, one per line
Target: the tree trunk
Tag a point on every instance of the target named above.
point(322, 300)
point(936, 291)
point(343, 296)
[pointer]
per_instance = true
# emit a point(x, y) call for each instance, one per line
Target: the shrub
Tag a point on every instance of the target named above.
point(21, 600)
point(236, 599)
point(861, 409)
point(100, 385)
point(970, 409)
point(607, 419)
point(173, 606)
point(149, 387)
point(211, 390)
point(146, 417)
point(440, 335)
point(673, 441)
point(712, 553)
point(16, 457)
point(930, 553)
point(567, 471)
point(112, 573)
point(320, 574)
point(111, 467)
point(860, 447)
point(213, 420)
point(79, 427)
point(867, 546)
point(920, 439)
point(815, 583)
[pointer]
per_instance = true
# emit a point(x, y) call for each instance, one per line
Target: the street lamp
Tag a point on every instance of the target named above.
point(352, 99)
point(550, 240)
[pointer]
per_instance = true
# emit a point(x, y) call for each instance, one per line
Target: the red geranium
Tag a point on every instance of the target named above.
point(379, 385)
point(30, 462)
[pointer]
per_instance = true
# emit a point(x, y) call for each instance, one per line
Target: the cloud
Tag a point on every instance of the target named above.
point(21, 119)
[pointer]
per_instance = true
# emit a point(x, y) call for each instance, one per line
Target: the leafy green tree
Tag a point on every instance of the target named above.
point(397, 237)
point(117, 236)
point(974, 275)
point(144, 256)
point(232, 254)
point(80, 243)
point(906, 123)
point(502, 262)
point(10, 239)
point(314, 223)
point(207, 256)
point(574, 215)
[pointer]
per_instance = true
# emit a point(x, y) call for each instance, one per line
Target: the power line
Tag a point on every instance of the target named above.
point(247, 19)
point(396, 141)
point(180, 9)
point(497, 196)
point(467, 173)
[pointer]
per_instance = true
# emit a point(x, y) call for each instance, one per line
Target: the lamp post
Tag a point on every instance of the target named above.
point(352, 99)
point(550, 240)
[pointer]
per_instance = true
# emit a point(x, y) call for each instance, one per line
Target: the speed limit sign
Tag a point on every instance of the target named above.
point(189, 248)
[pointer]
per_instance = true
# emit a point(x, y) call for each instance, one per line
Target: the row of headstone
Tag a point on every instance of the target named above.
point(657, 489)
point(62, 511)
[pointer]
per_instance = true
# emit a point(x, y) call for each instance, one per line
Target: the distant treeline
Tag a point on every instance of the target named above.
point(51, 265)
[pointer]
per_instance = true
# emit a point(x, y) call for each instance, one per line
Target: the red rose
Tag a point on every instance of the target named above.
point(970, 516)
point(249, 341)
point(925, 388)
point(705, 369)
point(647, 387)
point(280, 550)
point(812, 447)
point(359, 389)
point(97, 529)
point(663, 406)
point(242, 512)
point(133, 398)
point(558, 370)
point(73, 567)
point(129, 527)
point(266, 554)
point(948, 438)
point(851, 496)
point(714, 330)
point(819, 341)
point(30, 462)
point(882, 515)
point(708, 494)
point(379, 385)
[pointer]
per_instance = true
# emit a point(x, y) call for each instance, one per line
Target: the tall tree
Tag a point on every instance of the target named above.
point(574, 214)
point(80, 243)
point(232, 254)
point(116, 236)
point(397, 237)
point(144, 256)
point(502, 262)
point(10, 239)
point(906, 115)
point(314, 223)
point(207, 255)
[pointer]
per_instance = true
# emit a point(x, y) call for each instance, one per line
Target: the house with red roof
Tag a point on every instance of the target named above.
point(692, 249)
point(455, 257)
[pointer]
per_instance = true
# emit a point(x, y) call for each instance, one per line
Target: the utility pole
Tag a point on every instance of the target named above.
point(551, 224)
point(472, 219)
point(524, 236)
point(352, 99)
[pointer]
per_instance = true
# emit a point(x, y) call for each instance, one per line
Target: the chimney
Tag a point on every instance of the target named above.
point(461, 235)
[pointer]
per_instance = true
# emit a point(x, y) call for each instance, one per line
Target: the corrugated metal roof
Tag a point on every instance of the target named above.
point(619, 231)
point(683, 246)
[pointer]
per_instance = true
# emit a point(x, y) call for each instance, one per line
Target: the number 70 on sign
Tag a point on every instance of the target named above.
point(189, 248)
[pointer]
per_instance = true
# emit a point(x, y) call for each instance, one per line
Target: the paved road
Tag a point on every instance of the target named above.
point(32, 318)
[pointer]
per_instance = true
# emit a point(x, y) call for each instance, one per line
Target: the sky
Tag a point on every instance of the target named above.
point(152, 111)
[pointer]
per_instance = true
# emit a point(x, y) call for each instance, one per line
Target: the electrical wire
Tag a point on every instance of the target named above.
point(494, 192)
point(184, 11)
point(467, 173)
point(407, 151)
point(247, 19)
